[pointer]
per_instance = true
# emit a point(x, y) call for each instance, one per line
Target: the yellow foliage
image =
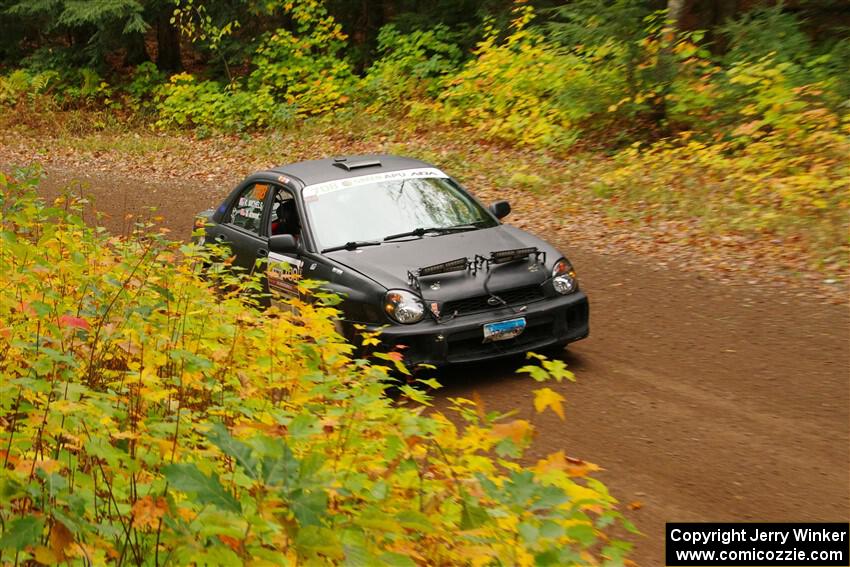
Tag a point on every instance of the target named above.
point(548, 398)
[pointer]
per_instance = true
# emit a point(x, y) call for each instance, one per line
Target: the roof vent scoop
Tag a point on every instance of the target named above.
point(342, 163)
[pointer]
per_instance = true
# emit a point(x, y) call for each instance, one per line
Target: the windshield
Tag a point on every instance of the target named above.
point(371, 208)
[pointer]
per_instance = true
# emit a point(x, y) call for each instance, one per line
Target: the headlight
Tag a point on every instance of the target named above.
point(404, 306)
point(564, 277)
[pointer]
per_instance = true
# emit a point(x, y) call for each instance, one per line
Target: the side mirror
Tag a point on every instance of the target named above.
point(283, 244)
point(500, 209)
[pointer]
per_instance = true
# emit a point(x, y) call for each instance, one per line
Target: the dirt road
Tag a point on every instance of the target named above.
point(702, 401)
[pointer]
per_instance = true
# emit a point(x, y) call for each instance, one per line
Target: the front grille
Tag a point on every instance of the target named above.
point(513, 297)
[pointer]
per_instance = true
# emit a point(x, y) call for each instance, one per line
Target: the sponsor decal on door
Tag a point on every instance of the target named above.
point(283, 275)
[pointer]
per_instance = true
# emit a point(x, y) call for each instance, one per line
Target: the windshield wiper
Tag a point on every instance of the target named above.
point(437, 229)
point(352, 245)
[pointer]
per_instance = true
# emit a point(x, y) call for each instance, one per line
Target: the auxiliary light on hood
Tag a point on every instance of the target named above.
point(463, 264)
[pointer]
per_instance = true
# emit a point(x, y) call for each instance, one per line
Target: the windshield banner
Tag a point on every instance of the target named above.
point(339, 184)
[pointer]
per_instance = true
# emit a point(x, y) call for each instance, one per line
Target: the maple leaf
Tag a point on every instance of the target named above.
point(74, 322)
point(231, 542)
point(147, 512)
point(548, 398)
point(558, 461)
point(61, 539)
point(516, 430)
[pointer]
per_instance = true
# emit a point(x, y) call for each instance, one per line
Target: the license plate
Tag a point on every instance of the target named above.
point(503, 330)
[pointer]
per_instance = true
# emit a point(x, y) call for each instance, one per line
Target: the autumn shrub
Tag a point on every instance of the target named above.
point(508, 90)
point(149, 419)
point(144, 85)
point(304, 68)
point(24, 87)
point(771, 33)
point(294, 73)
point(527, 90)
point(411, 64)
point(762, 146)
point(185, 101)
point(72, 88)
point(792, 180)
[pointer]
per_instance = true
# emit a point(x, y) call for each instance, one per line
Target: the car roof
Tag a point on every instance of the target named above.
point(344, 167)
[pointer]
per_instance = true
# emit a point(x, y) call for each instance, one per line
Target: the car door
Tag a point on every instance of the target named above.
point(243, 226)
point(284, 269)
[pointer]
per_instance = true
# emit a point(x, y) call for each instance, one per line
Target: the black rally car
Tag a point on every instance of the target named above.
point(410, 251)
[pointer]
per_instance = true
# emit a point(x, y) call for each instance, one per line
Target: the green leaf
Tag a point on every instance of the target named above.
point(186, 477)
point(581, 533)
point(303, 425)
point(430, 382)
point(283, 470)
point(319, 540)
point(529, 532)
point(22, 532)
point(414, 520)
point(396, 560)
point(310, 507)
point(473, 516)
point(222, 439)
point(535, 372)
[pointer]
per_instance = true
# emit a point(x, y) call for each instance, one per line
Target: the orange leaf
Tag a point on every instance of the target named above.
point(75, 322)
point(560, 462)
point(516, 430)
point(231, 542)
point(61, 539)
point(147, 512)
point(25, 307)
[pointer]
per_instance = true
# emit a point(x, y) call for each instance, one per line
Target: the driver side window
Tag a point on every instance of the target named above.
point(284, 216)
point(247, 212)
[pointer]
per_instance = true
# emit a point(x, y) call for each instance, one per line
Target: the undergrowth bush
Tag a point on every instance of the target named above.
point(304, 68)
point(788, 180)
point(144, 85)
point(147, 419)
point(185, 101)
point(294, 74)
point(411, 64)
point(513, 90)
point(55, 89)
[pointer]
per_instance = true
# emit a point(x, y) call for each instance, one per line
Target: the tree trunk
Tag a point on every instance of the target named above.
point(168, 43)
point(675, 11)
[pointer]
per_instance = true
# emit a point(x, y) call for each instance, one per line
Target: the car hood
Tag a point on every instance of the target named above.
point(389, 263)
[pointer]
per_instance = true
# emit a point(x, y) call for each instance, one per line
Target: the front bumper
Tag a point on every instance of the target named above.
point(550, 321)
